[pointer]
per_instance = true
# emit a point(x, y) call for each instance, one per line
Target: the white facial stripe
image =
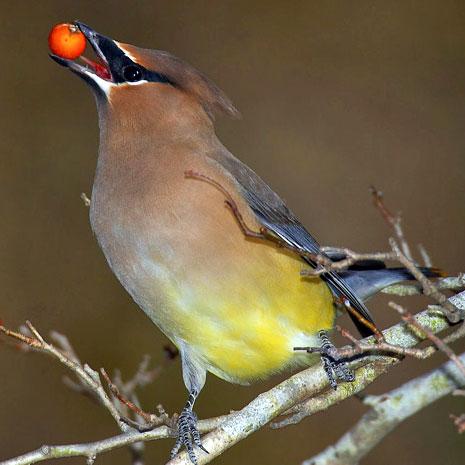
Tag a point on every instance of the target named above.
point(137, 83)
point(106, 86)
point(129, 55)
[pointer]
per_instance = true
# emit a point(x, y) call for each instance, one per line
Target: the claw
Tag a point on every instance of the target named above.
point(328, 365)
point(335, 369)
point(188, 435)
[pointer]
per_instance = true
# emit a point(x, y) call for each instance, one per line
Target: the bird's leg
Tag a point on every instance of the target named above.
point(334, 367)
point(188, 434)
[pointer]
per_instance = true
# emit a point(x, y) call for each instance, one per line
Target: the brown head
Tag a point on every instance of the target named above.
point(143, 83)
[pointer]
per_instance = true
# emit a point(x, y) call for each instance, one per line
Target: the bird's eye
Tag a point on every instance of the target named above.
point(132, 73)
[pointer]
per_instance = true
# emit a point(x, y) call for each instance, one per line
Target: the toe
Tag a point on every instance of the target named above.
point(188, 436)
point(176, 447)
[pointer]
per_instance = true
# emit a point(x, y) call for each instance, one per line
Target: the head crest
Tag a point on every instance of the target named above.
point(185, 77)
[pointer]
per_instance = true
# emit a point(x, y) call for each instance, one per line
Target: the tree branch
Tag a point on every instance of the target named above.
point(392, 220)
point(86, 375)
point(230, 429)
point(429, 289)
point(456, 283)
point(388, 410)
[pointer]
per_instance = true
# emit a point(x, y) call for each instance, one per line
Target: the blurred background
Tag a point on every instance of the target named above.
point(335, 96)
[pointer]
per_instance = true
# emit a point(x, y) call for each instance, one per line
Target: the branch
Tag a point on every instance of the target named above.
point(388, 410)
point(89, 450)
point(85, 199)
point(229, 429)
point(86, 375)
point(392, 220)
point(437, 341)
point(456, 283)
point(352, 258)
point(429, 289)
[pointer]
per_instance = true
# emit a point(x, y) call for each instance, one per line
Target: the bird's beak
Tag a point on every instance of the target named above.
point(94, 71)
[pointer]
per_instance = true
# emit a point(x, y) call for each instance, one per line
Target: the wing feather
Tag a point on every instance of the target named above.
point(292, 232)
point(272, 212)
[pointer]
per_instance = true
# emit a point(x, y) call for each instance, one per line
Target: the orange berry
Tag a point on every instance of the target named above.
point(67, 41)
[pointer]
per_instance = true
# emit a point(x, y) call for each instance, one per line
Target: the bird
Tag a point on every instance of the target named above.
point(234, 306)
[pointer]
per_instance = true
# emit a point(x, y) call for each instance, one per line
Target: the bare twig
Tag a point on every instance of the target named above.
point(151, 419)
point(351, 258)
point(429, 288)
point(425, 256)
point(387, 412)
point(365, 322)
point(128, 403)
point(361, 347)
point(392, 220)
point(85, 199)
point(406, 259)
point(88, 450)
point(84, 373)
point(437, 341)
point(459, 422)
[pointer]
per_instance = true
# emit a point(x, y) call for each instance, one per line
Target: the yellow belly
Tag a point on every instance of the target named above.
point(244, 325)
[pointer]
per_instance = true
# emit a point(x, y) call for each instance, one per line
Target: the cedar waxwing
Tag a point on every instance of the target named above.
point(234, 306)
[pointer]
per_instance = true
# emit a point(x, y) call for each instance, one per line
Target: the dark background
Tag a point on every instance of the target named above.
point(335, 96)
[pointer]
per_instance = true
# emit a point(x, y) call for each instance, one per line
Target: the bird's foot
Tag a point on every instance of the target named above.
point(335, 368)
point(188, 435)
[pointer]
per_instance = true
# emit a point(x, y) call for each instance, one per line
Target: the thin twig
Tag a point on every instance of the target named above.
point(392, 220)
point(429, 288)
point(425, 256)
point(85, 199)
point(361, 347)
point(351, 259)
point(85, 374)
point(437, 341)
point(359, 317)
point(151, 419)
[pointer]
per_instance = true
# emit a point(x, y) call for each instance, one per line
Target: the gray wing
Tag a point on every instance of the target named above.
point(272, 212)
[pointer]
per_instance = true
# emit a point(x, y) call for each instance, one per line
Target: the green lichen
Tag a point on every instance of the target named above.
point(440, 383)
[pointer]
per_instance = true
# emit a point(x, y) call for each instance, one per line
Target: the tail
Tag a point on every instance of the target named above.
point(366, 282)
